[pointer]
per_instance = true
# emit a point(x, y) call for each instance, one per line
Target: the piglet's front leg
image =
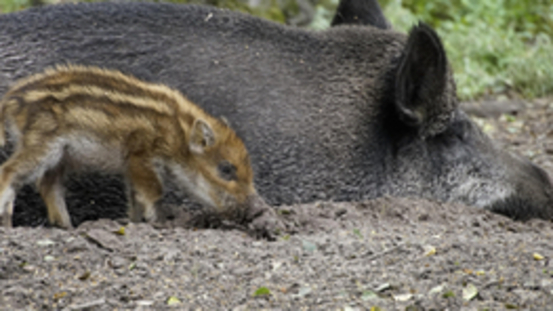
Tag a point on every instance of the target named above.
point(145, 189)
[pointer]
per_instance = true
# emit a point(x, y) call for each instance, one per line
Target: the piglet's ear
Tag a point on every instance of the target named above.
point(422, 77)
point(201, 136)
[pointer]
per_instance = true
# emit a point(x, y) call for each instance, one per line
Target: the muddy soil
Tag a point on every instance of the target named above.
point(390, 253)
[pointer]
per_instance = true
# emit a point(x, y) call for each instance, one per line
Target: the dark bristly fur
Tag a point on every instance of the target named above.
point(350, 113)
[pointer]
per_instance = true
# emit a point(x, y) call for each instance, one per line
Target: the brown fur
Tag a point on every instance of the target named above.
point(73, 118)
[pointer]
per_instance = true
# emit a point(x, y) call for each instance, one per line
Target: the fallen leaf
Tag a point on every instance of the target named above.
point(436, 290)
point(173, 301)
point(59, 295)
point(538, 256)
point(369, 295)
point(510, 118)
point(277, 265)
point(429, 250)
point(469, 292)
point(512, 130)
point(488, 128)
point(448, 294)
point(84, 276)
point(304, 291)
point(402, 297)
point(45, 242)
point(383, 287)
point(144, 303)
point(121, 231)
point(89, 305)
point(357, 233)
point(28, 268)
point(308, 246)
point(262, 291)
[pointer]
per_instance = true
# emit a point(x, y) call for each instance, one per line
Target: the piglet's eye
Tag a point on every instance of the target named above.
point(227, 170)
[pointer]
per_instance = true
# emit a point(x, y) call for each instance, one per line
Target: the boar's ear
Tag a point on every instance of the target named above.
point(360, 12)
point(201, 136)
point(422, 77)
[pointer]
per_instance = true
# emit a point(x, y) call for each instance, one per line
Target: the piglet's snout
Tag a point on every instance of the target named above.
point(254, 207)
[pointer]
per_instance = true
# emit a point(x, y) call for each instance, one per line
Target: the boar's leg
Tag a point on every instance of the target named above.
point(144, 189)
point(50, 186)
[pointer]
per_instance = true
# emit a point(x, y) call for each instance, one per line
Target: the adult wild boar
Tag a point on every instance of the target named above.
point(346, 114)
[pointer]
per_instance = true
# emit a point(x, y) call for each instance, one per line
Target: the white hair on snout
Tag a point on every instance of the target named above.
point(476, 190)
point(194, 182)
point(230, 206)
point(210, 196)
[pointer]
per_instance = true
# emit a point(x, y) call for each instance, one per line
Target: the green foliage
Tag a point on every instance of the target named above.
point(269, 9)
point(448, 294)
point(13, 5)
point(493, 45)
point(324, 12)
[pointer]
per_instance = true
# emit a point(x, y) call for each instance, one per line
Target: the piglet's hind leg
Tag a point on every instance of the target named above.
point(6, 206)
point(18, 169)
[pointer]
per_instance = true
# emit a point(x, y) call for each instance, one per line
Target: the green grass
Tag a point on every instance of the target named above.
point(13, 5)
point(494, 46)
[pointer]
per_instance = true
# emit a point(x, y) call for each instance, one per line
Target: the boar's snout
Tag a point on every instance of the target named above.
point(533, 197)
point(542, 176)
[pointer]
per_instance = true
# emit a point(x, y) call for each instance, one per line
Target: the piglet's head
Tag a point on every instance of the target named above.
point(221, 165)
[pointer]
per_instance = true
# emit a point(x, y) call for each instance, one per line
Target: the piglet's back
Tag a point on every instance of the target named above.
point(105, 103)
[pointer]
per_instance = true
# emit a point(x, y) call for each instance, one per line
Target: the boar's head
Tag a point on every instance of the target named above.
point(439, 152)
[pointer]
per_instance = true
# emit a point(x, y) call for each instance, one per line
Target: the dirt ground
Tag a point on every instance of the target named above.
point(386, 254)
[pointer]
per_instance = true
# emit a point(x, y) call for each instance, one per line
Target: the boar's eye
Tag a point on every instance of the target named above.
point(227, 170)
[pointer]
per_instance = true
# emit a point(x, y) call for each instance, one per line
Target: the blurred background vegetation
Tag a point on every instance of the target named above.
point(495, 46)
